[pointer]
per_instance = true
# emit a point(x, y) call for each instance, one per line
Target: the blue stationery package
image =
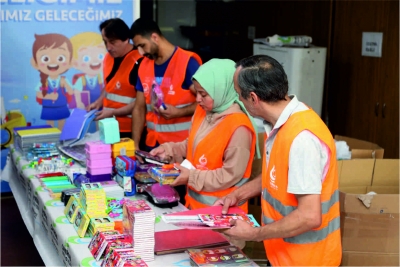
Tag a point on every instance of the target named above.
point(125, 166)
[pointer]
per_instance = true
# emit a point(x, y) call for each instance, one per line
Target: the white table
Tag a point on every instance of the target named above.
point(55, 238)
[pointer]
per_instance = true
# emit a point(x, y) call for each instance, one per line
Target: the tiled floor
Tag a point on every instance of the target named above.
point(17, 247)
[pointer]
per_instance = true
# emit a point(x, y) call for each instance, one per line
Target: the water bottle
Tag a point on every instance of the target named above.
point(295, 40)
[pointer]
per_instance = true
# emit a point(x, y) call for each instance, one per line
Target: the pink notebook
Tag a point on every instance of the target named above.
point(215, 210)
point(175, 241)
point(192, 219)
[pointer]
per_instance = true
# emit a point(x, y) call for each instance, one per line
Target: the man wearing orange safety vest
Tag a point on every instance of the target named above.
point(299, 180)
point(171, 69)
point(121, 65)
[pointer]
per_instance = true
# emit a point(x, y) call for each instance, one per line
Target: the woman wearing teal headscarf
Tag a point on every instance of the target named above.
point(222, 140)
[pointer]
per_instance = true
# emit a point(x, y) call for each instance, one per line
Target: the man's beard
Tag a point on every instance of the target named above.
point(151, 56)
point(153, 53)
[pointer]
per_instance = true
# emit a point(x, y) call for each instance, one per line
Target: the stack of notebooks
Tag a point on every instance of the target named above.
point(26, 137)
point(139, 223)
point(93, 199)
point(100, 224)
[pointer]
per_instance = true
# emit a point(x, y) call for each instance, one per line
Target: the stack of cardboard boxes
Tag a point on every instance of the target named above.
point(369, 223)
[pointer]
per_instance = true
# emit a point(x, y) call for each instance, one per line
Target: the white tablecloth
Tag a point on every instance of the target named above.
point(55, 238)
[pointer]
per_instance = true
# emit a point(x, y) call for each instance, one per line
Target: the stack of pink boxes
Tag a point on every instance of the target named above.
point(98, 161)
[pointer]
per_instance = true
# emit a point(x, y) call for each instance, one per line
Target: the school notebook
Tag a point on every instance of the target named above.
point(37, 132)
point(175, 241)
point(24, 139)
point(76, 126)
point(208, 218)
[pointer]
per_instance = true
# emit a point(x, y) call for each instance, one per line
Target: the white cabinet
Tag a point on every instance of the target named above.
point(305, 69)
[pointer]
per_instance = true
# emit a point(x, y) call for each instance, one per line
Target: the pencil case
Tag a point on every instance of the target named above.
point(144, 167)
point(97, 156)
point(125, 166)
point(144, 178)
point(97, 147)
point(97, 171)
point(109, 130)
point(67, 193)
point(165, 174)
point(125, 147)
point(100, 163)
point(160, 195)
point(99, 177)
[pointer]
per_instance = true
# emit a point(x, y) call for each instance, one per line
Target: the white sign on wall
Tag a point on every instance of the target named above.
point(372, 44)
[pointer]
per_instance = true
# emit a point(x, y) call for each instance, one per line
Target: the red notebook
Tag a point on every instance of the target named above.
point(183, 239)
point(180, 240)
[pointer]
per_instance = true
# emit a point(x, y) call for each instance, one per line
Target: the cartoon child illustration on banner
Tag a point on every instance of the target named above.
point(88, 55)
point(52, 56)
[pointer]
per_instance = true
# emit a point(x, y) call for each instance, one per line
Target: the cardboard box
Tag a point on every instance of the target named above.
point(369, 259)
point(362, 149)
point(370, 229)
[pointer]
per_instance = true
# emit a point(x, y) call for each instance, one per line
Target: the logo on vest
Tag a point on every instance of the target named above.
point(145, 89)
point(171, 90)
point(272, 178)
point(118, 85)
point(203, 163)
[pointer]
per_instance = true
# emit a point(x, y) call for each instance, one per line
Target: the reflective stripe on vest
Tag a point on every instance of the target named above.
point(129, 116)
point(285, 210)
point(149, 107)
point(206, 200)
point(209, 200)
point(310, 236)
point(168, 128)
point(120, 99)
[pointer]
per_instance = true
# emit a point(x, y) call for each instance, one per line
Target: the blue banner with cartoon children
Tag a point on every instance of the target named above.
point(52, 54)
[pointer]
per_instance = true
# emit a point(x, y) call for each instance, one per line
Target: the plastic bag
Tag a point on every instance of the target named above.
point(157, 97)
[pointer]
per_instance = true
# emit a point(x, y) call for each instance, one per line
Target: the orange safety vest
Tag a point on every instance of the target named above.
point(209, 155)
point(119, 91)
point(322, 245)
point(159, 129)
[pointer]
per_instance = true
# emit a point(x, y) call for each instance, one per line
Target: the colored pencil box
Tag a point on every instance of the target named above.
point(125, 166)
